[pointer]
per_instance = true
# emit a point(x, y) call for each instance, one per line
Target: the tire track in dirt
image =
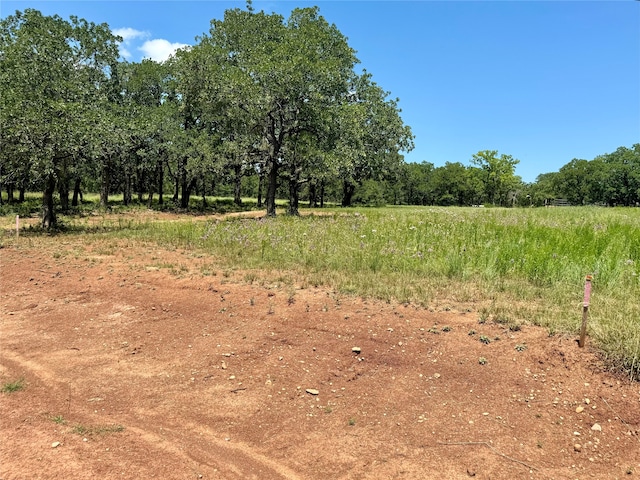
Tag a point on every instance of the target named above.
point(233, 460)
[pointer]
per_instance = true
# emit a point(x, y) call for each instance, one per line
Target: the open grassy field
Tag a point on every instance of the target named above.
point(513, 266)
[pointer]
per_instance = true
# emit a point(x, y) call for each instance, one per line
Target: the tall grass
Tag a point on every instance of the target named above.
point(514, 265)
point(518, 266)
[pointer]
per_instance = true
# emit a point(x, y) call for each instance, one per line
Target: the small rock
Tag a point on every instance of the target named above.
point(579, 409)
point(436, 375)
point(312, 391)
point(596, 427)
point(55, 444)
point(577, 447)
point(356, 350)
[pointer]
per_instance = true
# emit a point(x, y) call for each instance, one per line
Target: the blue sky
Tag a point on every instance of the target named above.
point(543, 81)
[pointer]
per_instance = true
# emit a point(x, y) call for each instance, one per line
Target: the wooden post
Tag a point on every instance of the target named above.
point(585, 310)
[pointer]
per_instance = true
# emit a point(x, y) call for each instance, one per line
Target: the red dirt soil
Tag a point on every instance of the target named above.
point(142, 370)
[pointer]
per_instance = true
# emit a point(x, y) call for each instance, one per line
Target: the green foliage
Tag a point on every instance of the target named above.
point(11, 387)
point(55, 77)
point(498, 174)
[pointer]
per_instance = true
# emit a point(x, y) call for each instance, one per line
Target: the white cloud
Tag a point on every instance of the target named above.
point(128, 34)
point(160, 49)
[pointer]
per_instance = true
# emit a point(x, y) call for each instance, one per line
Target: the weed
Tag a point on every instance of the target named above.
point(472, 332)
point(484, 339)
point(482, 361)
point(11, 387)
point(446, 329)
point(352, 422)
point(59, 419)
point(521, 347)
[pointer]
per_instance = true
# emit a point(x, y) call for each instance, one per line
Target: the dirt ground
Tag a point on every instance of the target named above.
point(142, 363)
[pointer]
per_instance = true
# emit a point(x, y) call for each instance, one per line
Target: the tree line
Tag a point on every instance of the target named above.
point(258, 95)
point(611, 179)
point(260, 106)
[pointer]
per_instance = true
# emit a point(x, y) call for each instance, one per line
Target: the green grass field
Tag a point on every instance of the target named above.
point(513, 266)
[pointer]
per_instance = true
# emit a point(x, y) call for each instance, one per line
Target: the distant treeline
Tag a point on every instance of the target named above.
point(611, 179)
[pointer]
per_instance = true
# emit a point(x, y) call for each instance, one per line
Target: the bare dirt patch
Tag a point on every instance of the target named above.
point(138, 365)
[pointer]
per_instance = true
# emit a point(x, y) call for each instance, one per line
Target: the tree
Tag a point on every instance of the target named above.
point(451, 185)
point(622, 169)
point(151, 119)
point(416, 185)
point(499, 175)
point(283, 79)
point(53, 76)
point(574, 182)
point(372, 135)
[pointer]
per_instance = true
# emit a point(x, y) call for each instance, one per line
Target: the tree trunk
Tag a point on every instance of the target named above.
point(186, 192)
point(204, 193)
point(294, 190)
point(348, 189)
point(76, 192)
point(160, 180)
point(178, 178)
point(105, 184)
point(48, 212)
point(127, 190)
point(23, 190)
point(322, 194)
point(313, 195)
point(63, 191)
point(272, 186)
point(9, 192)
point(237, 186)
